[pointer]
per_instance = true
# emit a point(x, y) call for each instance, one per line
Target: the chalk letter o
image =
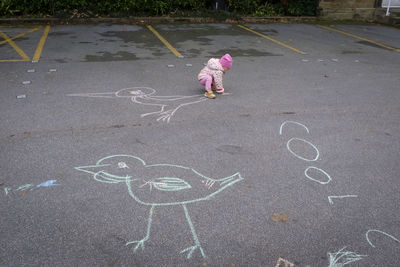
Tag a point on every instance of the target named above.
point(315, 180)
point(295, 138)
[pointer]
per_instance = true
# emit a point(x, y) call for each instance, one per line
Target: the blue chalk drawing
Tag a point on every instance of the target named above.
point(48, 183)
point(144, 95)
point(294, 122)
point(172, 184)
point(378, 231)
point(342, 258)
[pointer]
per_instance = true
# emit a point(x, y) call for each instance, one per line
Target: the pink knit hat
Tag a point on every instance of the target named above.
point(226, 61)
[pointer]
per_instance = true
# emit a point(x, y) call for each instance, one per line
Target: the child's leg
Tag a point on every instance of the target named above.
point(207, 81)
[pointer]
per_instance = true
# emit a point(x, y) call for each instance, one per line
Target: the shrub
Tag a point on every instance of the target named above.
point(155, 7)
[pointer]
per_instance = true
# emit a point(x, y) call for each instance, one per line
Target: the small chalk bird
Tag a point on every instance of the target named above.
point(146, 96)
point(159, 185)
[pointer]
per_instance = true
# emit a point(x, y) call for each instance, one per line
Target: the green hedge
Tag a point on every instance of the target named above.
point(155, 7)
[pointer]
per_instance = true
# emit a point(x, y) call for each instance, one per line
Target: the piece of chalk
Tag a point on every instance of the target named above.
point(52, 70)
point(171, 66)
point(35, 61)
point(335, 59)
point(21, 96)
point(305, 60)
point(26, 82)
point(31, 70)
point(189, 65)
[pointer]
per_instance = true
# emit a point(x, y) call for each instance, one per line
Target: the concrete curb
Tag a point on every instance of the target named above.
point(151, 20)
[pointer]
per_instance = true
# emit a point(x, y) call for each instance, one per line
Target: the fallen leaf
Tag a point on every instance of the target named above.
point(280, 217)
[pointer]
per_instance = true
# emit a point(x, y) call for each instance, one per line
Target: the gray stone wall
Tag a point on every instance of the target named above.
point(347, 9)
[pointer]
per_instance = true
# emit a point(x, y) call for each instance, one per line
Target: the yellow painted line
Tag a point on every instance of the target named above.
point(39, 48)
point(271, 39)
point(16, 48)
point(13, 60)
point(358, 37)
point(22, 34)
point(173, 50)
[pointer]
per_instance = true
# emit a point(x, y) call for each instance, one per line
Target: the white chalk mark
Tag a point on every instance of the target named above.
point(378, 231)
point(315, 180)
point(103, 95)
point(146, 96)
point(122, 165)
point(342, 258)
point(209, 183)
point(330, 197)
point(286, 263)
point(299, 139)
point(7, 190)
point(295, 122)
point(24, 187)
point(151, 183)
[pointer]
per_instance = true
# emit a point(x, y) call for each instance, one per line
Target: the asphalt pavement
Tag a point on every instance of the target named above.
point(112, 156)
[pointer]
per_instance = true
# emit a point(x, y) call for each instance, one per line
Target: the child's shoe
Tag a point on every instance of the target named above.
point(220, 91)
point(209, 94)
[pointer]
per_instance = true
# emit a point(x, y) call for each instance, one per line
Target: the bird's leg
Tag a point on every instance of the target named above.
point(140, 243)
point(195, 239)
point(155, 112)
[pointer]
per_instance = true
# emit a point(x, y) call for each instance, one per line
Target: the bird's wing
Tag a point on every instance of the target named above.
point(170, 184)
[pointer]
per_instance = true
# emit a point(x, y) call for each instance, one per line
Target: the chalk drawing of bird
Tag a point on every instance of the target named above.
point(159, 185)
point(167, 105)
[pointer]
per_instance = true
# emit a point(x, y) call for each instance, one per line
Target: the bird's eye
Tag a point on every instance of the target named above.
point(122, 165)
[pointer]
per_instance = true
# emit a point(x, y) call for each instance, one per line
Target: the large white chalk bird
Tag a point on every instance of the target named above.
point(159, 185)
point(167, 105)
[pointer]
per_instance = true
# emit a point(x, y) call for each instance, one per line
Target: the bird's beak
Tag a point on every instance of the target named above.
point(100, 175)
point(92, 169)
point(230, 180)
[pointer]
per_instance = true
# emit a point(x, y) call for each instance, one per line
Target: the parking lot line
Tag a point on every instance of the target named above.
point(39, 48)
point(20, 35)
point(16, 48)
point(271, 39)
point(173, 50)
point(358, 37)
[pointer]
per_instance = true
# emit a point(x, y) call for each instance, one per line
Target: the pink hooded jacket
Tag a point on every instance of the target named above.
point(215, 70)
